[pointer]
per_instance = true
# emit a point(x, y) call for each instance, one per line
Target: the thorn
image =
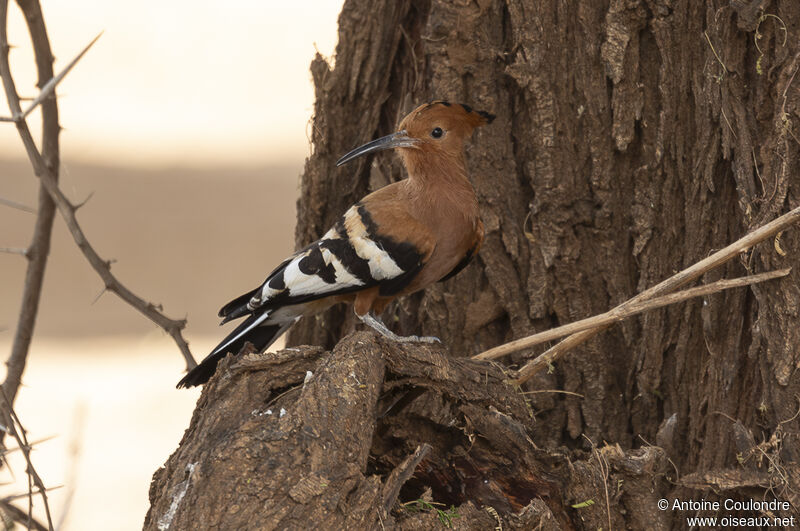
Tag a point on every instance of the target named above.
point(49, 88)
point(80, 205)
point(31, 444)
point(18, 206)
point(14, 250)
point(99, 295)
point(34, 491)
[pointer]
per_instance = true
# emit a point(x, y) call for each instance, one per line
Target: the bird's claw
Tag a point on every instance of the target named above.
point(417, 339)
point(379, 327)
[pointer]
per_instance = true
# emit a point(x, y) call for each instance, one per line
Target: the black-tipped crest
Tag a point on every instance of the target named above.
point(410, 139)
point(487, 116)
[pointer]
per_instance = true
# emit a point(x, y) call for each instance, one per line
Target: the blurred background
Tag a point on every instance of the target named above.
point(187, 124)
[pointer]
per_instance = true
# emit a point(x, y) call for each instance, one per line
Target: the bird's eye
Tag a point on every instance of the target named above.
point(437, 132)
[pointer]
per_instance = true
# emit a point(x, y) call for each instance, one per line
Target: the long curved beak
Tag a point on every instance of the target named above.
point(398, 139)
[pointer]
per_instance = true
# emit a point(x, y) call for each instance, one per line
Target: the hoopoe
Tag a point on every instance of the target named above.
point(395, 241)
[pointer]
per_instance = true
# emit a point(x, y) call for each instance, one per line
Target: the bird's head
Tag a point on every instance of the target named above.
point(437, 127)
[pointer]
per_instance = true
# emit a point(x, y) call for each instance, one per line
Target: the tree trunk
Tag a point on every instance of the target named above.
point(632, 139)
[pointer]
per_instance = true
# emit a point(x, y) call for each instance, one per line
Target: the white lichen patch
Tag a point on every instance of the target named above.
point(179, 492)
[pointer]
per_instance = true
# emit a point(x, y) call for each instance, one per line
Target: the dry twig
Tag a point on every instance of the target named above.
point(21, 517)
point(674, 282)
point(623, 312)
point(15, 428)
point(39, 248)
point(45, 165)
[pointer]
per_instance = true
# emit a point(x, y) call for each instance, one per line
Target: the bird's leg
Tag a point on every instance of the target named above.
point(379, 327)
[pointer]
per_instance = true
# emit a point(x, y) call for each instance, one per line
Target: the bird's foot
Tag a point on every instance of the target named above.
point(379, 327)
point(415, 339)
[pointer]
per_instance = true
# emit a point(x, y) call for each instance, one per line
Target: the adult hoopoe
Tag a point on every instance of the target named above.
point(397, 240)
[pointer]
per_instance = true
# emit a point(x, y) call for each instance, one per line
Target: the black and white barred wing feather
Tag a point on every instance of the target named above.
point(350, 257)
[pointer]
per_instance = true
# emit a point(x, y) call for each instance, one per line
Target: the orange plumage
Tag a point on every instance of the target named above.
point(397, 240)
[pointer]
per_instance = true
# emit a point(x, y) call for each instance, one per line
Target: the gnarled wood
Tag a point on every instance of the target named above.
point(304, 439)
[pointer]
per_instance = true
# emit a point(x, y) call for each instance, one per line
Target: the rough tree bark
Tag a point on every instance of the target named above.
point(307, 439)
point(632, 139)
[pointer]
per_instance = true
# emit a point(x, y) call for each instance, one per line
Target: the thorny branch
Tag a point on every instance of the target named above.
point(626, 308)
point(39, 248)
point(14, 426)
point(21, 517)
point(45, 165)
